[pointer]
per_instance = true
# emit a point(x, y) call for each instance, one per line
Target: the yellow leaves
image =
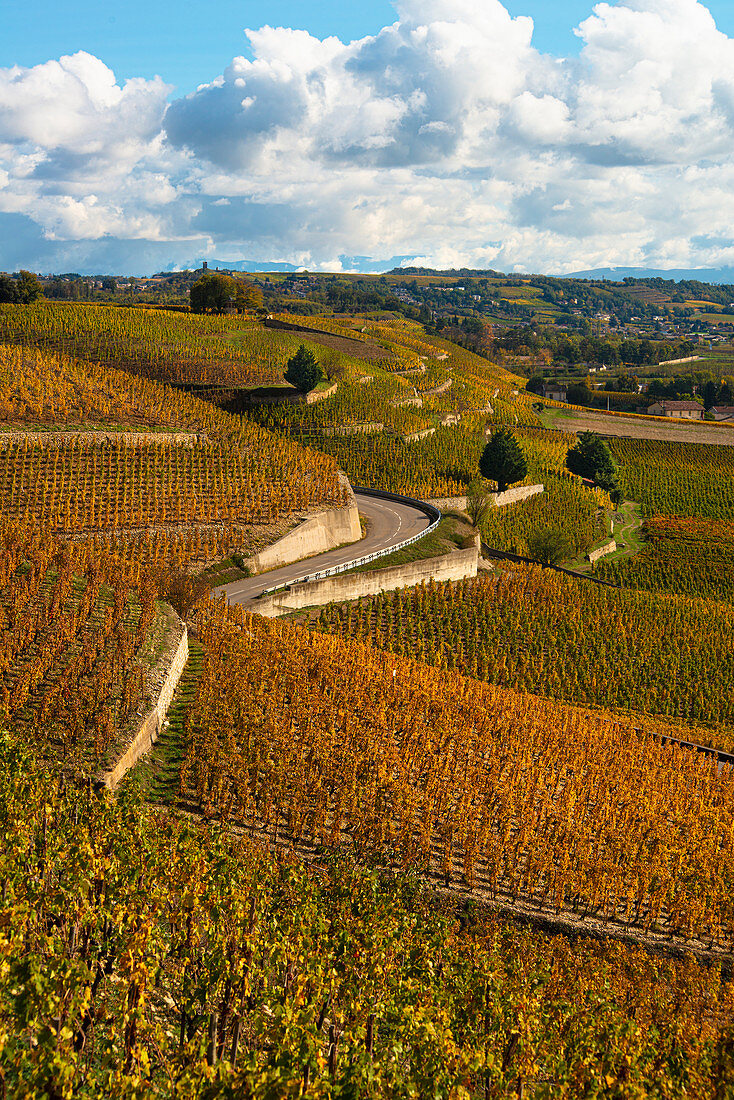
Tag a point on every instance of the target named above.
point(567, 805)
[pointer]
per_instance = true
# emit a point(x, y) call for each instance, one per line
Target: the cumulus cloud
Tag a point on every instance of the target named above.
point(447, 135)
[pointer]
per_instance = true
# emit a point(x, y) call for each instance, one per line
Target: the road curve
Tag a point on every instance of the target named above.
point(390, 523)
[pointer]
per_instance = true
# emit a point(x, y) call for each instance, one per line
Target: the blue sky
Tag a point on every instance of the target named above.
point(446, 135)
point(187, 42)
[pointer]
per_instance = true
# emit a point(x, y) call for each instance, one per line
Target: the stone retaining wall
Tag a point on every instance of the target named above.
point(442, 388)
point(350, 586)
point(498, 500)
point(150, 727)
point(130, 439)
point(413, 437)
point(608, 548)
point(367, 427)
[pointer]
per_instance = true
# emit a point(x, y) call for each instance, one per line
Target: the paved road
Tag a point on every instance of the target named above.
point(389, 523)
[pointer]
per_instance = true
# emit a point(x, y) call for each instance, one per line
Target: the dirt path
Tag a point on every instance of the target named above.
point(676, 431)
point(627, 533)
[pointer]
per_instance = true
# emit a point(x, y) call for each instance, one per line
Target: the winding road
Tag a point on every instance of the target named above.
point(389, 523)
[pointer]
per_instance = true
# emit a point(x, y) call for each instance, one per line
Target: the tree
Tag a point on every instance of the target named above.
point(248, 296)
point(303, 371)
point(29, 288)
point(212, 294)
point(332, 365)
point(8, 289)
point(592, 459)
point(626, 383)
point(549, 545)
point(21, 290)
point(579, 394)
point(477, 501)
point(536, 384)
point(503, 460)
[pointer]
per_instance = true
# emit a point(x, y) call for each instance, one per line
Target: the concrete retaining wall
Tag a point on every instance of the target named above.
point(315, 535)
point(498, 500)
point(350, 586)
point(608, 548)
point(150, 727)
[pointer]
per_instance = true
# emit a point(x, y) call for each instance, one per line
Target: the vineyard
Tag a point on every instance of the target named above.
point(363, 797)
point(50, 391)
point(71, 626)
point(155, 955)
point(693, 557)
point(81, 486)
point(178, 348)
point(677, 479)
point(316, 741)
point(542, 632)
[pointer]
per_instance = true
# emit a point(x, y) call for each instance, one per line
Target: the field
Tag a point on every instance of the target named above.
point(72, 625)
point(677, 478)
point(80, 486)
point(643, 428)
point(693, 557)
point(167, 347)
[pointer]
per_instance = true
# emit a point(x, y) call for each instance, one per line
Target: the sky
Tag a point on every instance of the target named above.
point(525, 135)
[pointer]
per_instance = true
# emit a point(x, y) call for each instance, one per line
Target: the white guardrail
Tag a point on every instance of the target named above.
point(428, 509)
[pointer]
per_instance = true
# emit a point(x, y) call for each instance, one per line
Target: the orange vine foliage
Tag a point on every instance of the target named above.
point(77, 485)
point(322, 741)
point(539, 631)
point(72, 621)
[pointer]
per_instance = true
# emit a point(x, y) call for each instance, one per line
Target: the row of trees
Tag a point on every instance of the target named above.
point(217, 293)
point(21, 289)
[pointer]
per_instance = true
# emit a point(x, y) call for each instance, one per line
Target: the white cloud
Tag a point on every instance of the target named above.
point(447, 135)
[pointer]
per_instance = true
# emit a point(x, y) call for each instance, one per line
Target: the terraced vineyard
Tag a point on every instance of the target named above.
point(167, 347)
point(677, 478)
point(322, 742)
point(360, 798)
point(533, 630)
point(339, 979)
point(694, 557)
point(80, 486)
point(72, 623)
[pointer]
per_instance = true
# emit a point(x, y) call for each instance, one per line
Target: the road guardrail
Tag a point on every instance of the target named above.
point(428, 509)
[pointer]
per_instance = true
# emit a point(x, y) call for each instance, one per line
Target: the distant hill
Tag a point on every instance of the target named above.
point(714, 275)
point(244, 265)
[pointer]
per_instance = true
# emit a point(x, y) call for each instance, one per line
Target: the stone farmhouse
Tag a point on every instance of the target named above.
point(683, 410)
point(722, 412)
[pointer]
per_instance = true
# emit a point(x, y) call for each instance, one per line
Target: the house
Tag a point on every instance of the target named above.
point(722, 412)
point(554, 392)
point(682, 410)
